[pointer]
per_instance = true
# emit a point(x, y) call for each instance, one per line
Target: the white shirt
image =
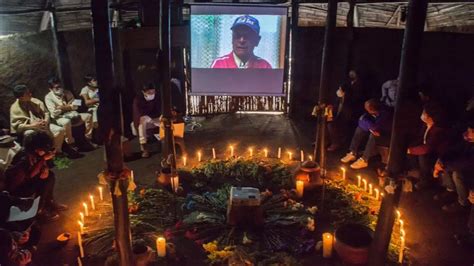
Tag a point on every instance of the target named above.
point(239, 62)
point(92, 94)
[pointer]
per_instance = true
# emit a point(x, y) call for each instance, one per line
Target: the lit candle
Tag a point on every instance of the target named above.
point(265, 151)
point(299, 188)
point(81, 227)
point(402, 247)
point(79, 261)
point(92, 202)
point(199, 156)
point(184, 160)
point(231, 151)
point(365, 184)
point(302, 155)
point(399, 215)
point(213, 153)
point(101, 196)
point(358, 180)
point(381, 195)
point(161, 246)
point(79, 242)
point(327, 245)
point(370, 189)
point(402, 233)
point(376, 193)
point(310, 158)
point(401, 225)
point(279, 152)
point(86, 210)
point(290, 155)
point(343, 173)
point(81, 215)
point(250, 152)
point(175, 183)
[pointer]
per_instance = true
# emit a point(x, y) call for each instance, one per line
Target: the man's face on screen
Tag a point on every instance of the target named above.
point(244, 40)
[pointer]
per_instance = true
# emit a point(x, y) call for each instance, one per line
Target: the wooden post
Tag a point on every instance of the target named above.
point(110, 122)
point(399, 143)
point(294, 33)
point(326, 69)
point(60, 52)
point(164, 58)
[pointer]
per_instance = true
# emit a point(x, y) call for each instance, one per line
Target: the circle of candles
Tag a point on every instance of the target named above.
point(184, 160)
point(86, 210)
point(81, 215)
point(376, 193)
point(365, 184)
point(327, 245)
point(199, 156)
point(161, 246)
point(370, 189)
point(81, 227)
point(92, 202)
point(213, 153)
point(343, 173)
point(358, 180)
point(79, 242)
point(101, 196)
point(279, 152)
point(265, 151)
point(302, 155)
point(250, 152)
point(299, 188)
point(290, 155)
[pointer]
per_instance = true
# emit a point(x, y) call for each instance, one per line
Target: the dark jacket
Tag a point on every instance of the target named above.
point(343, 111)
point(381, 123)
point(437, 142)
point(460, 158)
point(142, 107)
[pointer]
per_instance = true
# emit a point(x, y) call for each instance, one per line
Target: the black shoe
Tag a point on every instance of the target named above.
point(47, 217)
point(71, 152)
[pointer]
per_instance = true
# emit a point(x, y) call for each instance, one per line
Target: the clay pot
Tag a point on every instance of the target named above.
point(309, 173)
point(164, 177)
point(352, 242)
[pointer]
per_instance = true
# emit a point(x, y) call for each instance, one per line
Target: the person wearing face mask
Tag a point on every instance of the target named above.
point(434, 143)
point(343, 119)
point(375, 123)
point(146, 114)
point(63, 111)
point(90, 95)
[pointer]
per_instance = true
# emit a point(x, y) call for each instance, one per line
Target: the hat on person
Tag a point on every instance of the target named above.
point(248, 21)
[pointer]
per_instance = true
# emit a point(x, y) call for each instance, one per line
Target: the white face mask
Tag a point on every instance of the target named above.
point(423, 117)
point(340, 93)
point(58, 92)
point(149, 97)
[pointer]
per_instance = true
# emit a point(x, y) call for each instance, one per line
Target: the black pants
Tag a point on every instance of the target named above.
point(35, 187)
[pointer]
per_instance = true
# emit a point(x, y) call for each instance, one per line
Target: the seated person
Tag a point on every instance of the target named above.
point(146, 114)
point(342, 121)
point(64, 113)
point(90, 95)
point(8, 148)
point(376, 122)
point(435, 142)
point(10, 253)
point(28, 114)
point(29, 174)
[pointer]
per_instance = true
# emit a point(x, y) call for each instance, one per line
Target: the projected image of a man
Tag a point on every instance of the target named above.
point(245, 37)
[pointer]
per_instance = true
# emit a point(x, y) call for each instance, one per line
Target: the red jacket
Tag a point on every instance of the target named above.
point(227, 61)
point(437, 142)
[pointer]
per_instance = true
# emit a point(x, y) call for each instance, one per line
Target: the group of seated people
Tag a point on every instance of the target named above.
point(440, 149)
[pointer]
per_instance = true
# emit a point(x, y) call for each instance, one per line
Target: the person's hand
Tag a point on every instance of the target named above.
point(24, 237)
point(44, 173)
point(73, 107)
point(37, 124)
point(49, 155)
point(438, 168)
point(375, 133)
point(22, 257)
point(471, 196)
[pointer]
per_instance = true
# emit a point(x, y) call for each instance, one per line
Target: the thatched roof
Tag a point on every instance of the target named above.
point(18, 16)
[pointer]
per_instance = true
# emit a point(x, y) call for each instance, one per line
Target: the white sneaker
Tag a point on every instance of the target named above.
point(348, 158)
point(359, 164)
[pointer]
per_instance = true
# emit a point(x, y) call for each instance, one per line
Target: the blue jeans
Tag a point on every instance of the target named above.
point(454, 181)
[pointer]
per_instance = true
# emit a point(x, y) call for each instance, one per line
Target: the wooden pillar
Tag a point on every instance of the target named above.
point(294, 33)
point(399, 143)
point(60, 52)
point(110, 122)
point(164, 58)
point(351, 21)
point(326, 70)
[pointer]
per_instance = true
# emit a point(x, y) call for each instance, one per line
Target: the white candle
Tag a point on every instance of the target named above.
point(370, 189)
point(365, 184)
point(161, 246)
point(184, 160)
point(79, 242)
point(279, 152)
point(92, 202)
point(231, 151)
point(299, 188)
point(358, 180)
point(401, 225)
point(81, 227)
point(101, 196)
point(343, 173)
point(199, 156)
point(175, 183)
point(402, 247)
point(290, 155)
point(399, 215)
point(302, 155)
point(79, 261)
point(327, 245)
point(250, 152)
point(402, 233)
point(81, 215)
point(265, 151)
point(376, 193)
point(310, 158)
point(86, 210)
point(213, 153)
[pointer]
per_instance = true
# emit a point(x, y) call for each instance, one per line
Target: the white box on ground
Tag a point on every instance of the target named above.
point(244, 196)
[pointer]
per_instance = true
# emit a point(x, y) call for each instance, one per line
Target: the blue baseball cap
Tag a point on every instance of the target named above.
point(248, 21)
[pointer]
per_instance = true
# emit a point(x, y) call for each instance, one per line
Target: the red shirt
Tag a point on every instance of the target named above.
point(227, 61)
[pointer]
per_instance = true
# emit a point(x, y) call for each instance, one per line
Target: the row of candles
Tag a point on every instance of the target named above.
point(250, 153)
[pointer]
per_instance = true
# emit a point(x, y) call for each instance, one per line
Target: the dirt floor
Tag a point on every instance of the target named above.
point(429, 230)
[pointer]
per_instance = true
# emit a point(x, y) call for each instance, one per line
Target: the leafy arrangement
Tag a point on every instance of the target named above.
point(62, 162)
